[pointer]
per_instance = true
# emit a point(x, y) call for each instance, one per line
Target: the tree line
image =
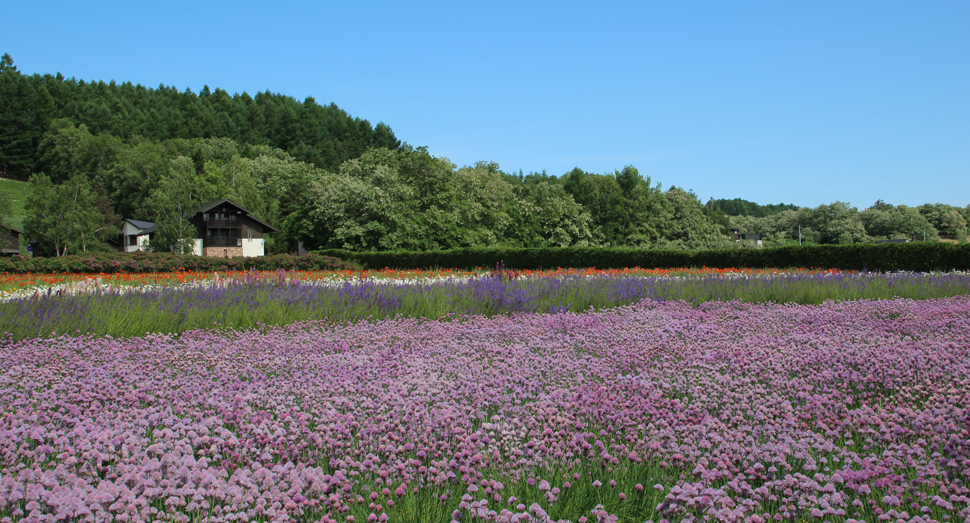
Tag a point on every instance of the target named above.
point(322, 135)
point(293, 165)
point(407, 199)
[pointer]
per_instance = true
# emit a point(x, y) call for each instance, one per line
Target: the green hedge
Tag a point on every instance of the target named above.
point(168, 262)
point(921, 257)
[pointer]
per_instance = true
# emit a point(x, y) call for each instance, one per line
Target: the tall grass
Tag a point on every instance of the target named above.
point(249, 302)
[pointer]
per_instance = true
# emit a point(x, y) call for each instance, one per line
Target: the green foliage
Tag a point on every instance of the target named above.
point(142, 262)
point(739, 207)
point(897, 222)
point(65, 218)
point(836, 223)
point(172, 204)
point(24, 113)
point(948, 220)
point(918, 256)
point(545, 215)
point(324, 136)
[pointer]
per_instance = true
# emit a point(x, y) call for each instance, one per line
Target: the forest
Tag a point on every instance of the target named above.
point(95, 153)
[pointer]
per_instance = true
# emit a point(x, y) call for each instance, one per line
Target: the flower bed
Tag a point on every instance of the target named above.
point(249, 299)
point(729, 411)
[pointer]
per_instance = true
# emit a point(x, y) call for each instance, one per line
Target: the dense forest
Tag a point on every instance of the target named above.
point(324, 136)
point(95, 153)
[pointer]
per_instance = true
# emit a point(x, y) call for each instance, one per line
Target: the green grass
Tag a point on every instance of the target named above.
point(17, 192)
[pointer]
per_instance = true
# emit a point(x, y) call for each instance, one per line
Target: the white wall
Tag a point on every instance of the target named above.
point(197, 246)
point(253, 248)
point(141, 243)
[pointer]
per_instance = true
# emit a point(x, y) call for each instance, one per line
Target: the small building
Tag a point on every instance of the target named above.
point(135, 235)
point(225, 230)
point(10, 240)
point(756, 238)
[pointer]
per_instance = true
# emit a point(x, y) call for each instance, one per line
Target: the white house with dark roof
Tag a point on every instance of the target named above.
point(136, 235)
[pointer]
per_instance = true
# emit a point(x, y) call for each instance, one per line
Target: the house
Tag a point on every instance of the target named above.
point(135, 235)
point(224, 229)
point(10, 240)
point(749, 237)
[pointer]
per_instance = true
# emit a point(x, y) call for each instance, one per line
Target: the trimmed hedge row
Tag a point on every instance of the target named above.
point(920, 257)
point(168, 262)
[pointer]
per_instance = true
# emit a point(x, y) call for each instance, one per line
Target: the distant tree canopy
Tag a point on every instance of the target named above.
point(739, 207)
point(841, 223)
point(321, 135)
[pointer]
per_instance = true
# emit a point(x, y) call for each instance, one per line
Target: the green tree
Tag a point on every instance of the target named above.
point(545, 215)
point(171, 205)
point(948, 220)
point(894, 222)
point(835, 223)
point(688, 227)
point(19, 125)
point(65, 218)
point(484, 202)
point(364, 206)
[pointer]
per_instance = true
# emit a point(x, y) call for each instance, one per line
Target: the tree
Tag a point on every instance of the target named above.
point(365, 206)
point(64, 218)
point(948, 220)
point(172, 204)
point(484, 202)
point(689, 227)
point(545, 215)
point(891, 222)
point(836, 223)
point(19, 128)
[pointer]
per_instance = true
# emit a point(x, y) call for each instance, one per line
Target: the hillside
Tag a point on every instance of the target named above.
point(16, 191)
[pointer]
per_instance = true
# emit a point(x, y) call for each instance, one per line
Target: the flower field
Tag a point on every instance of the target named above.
point(672, 398)
point(27, 284)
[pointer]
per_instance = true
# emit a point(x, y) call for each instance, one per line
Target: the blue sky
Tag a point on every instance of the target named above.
point(805, 103)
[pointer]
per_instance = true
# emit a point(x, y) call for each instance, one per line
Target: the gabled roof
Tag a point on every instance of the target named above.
point(212, 205)
point(16, 230)
point(146, 227)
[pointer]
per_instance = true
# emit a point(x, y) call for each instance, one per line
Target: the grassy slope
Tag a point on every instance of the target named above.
point(17, 192)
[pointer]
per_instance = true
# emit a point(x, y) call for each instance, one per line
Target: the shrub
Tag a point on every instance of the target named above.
point(167, 262)
point(921, 257)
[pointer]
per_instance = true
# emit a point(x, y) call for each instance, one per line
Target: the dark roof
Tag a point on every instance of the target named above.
point(16, 230)
point(212, 205)
point(145, 227)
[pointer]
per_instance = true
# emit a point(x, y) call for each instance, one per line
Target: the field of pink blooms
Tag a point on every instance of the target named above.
point(858, 410)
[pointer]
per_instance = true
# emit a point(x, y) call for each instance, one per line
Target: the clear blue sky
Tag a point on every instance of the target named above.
point(795, 102)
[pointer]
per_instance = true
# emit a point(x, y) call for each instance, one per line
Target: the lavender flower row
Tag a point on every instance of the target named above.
point(249, 302)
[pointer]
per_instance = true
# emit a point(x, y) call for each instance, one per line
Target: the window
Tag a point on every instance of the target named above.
point(205, 217)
